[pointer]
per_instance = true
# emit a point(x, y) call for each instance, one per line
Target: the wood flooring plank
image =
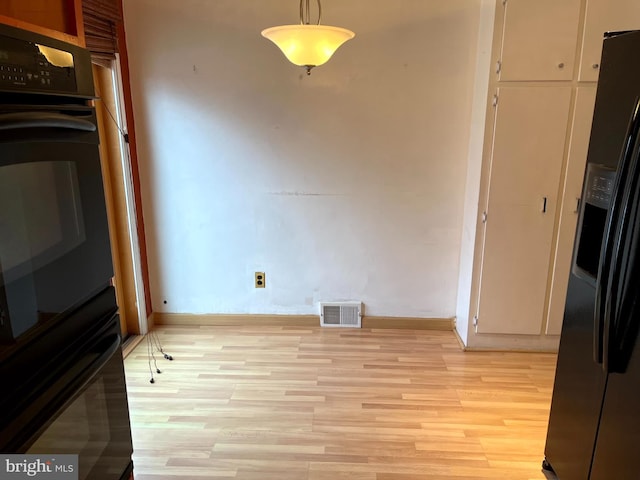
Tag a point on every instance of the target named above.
point(300, 403)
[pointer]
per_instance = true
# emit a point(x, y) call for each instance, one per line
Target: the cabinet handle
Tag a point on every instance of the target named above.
point(577, 205)
point(561, 65)
point(595, 66)
point(544, 204)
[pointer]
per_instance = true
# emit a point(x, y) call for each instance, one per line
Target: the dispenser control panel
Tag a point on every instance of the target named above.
point(599, 185)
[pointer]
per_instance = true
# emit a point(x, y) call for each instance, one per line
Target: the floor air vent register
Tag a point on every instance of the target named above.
point(341, 314)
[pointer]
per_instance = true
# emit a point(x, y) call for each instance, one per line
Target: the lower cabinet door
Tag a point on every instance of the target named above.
point(572, 189)
point(527, 158)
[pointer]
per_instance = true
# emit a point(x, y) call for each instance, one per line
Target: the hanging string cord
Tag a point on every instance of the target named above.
point(158, 346)
point(153, 344)
point(156, 342)
point(115, 122)
point(155, 363)
point(149, 359)
point(151, 348)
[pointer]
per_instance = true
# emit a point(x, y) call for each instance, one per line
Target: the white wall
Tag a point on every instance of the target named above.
point(464, 310)
point(348, 184)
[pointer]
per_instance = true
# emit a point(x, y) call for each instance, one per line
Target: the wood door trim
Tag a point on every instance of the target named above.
point(135, 171)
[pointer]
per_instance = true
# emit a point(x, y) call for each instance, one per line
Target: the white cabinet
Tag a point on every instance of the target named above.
point(604, 16)
point(578, 147)
point(526, 163)
point(539, 39)
point(544, 61)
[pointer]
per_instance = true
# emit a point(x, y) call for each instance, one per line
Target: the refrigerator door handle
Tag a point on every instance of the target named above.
point(619, 337)
point(611, 240)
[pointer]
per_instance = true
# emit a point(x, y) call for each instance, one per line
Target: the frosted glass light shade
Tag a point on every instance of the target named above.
point(308, 45)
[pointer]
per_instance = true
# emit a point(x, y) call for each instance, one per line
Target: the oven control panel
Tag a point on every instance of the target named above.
point(29, 66)
point(45, 77)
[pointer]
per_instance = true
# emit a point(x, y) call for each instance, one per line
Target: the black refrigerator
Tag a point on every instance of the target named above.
point(594, 426)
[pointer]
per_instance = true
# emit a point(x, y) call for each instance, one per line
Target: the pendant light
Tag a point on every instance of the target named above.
point(308, 45)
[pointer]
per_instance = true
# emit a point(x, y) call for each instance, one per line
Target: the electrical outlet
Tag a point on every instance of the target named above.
point(261, 280)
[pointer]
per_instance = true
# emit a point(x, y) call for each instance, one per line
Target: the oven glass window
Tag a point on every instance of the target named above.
point(82, 429)
point(54, 234)
point(42, 215)
point(41, 220)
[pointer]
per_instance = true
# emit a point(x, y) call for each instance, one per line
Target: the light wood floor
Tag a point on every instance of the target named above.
point(293, 403)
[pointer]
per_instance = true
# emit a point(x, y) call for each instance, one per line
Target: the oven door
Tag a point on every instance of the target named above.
point(71, 400)
point(54, 240)
point(94, 424)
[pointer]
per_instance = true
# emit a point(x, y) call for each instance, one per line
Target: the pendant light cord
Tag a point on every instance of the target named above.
point(305, 12)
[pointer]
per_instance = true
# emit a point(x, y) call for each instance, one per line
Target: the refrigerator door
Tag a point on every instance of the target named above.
point(622, 308)
point(578, 389)
point(580, 381)
point(615, 246)
point(616, 453)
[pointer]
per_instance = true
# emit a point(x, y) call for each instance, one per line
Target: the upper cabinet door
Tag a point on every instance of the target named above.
point(540, 39)
point(604, 16)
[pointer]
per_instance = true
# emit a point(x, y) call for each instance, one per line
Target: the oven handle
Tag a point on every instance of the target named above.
point(19, 120)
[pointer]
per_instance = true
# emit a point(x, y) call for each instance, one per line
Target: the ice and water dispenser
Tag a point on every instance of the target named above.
point(596, 198)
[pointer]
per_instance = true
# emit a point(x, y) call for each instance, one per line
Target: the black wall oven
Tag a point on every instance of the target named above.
point(60, 345)
point(54, 239)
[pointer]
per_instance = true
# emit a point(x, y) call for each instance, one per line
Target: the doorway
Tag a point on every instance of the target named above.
point(121, 204)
